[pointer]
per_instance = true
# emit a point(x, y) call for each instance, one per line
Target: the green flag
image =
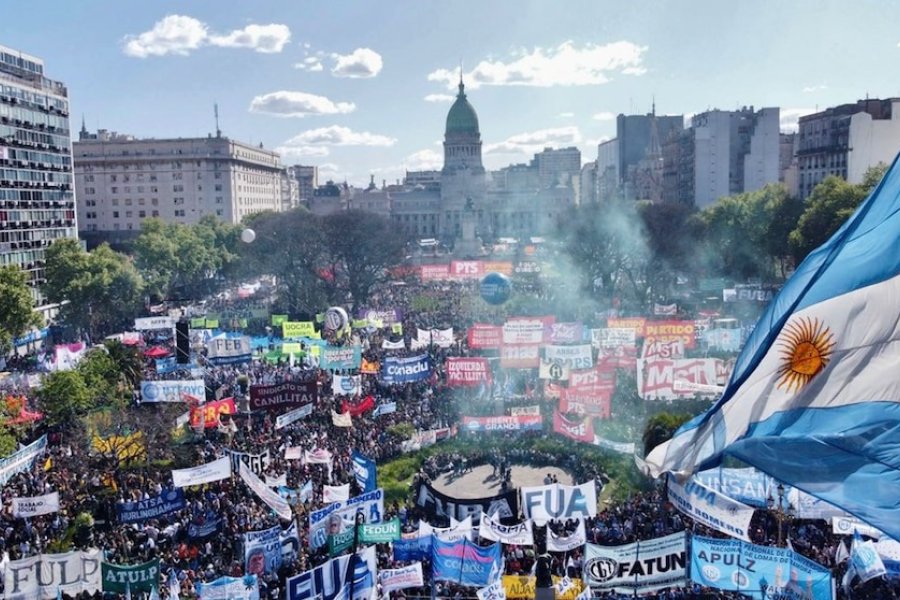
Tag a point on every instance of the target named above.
point(380, 533)
point(118, 578)
point(198, 323)
point(278, 320)
point(212, 323)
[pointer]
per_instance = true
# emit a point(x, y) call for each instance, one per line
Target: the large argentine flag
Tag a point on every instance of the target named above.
point(814, 399)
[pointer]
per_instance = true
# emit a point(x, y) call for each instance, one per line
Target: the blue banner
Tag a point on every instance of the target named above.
point(166, 365)
point(406, 370)
point(748, 485)
point(734, 565)
point(266, 550)
point(205, 529)
point(340, 358)
point(464, 562)
point(291, 495)
point(151, 508)
point(365, 471)
point(412, 547)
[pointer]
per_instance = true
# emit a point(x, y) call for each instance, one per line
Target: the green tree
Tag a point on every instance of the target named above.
point(63, 395)
point(660, 428)
point(291, 246)
point(185, 261)
point(363, 247)
point(17, 315)
point(128, 361)
point(829, 205)
point(607, 246)
point(103, 289)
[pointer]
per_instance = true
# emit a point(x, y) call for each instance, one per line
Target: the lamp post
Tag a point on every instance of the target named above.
point(783, 511)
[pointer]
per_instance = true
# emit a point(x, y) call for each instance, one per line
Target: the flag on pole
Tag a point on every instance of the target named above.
point(814, 398)
point(864, 559)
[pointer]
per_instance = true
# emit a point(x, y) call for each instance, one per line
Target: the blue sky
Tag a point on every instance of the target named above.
point(362, 87)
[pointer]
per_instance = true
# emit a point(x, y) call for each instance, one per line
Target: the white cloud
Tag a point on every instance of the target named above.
point(814, 88)
point(790, 118)
point(360, 64)
point(298, 104)
point(310, 63)
point(439, 98)
point(563, 65)
point(336, 135)
point(180, 34)
point(298, 153)
point(565, 115)
point(424, 160)
point(266, 39)
point(604, 116)
point(535, 141)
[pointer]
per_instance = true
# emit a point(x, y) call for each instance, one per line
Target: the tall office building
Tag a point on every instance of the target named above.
point(37, 203)
point(122, 180)
point(846, 140)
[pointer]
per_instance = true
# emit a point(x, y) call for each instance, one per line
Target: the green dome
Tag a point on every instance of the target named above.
point(462, 117)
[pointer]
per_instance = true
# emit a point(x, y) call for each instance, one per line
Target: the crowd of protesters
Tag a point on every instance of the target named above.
point(88, 496)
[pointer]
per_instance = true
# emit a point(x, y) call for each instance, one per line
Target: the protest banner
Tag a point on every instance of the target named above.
point(33, 506)
point(119, 579)
point(467, 372)
point(207, 473)
point(280, 396)
point(42, 576)
point(517, 423)
point(558, 501)
point(623, 569)
point(153, 507)
point(437, 505)
point(172, 391)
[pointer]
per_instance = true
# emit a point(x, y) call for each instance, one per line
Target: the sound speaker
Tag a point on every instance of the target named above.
point(182, 343)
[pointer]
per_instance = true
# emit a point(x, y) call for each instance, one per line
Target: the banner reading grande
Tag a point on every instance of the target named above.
point(517, 423)
point(467, 372)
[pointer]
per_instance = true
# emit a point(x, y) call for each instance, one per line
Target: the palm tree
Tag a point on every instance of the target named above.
point(128, 360)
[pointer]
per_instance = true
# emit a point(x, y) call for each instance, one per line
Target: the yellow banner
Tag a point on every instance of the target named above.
point(524, 587)
point(296, 329)
point(125, 447)
point(291, 348)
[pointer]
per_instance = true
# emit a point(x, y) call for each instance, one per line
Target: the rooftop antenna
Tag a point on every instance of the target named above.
point(216, 113)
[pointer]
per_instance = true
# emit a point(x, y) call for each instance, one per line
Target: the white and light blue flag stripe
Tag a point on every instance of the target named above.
point(814, 399)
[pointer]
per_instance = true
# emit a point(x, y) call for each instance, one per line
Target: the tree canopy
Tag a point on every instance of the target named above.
point(17, 314)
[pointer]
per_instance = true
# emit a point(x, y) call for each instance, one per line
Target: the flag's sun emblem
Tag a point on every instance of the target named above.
point(806, 348)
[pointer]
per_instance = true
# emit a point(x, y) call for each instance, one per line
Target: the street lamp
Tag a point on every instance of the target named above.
point(784, 511)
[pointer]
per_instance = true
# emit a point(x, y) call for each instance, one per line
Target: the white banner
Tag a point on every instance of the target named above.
point(567, 543)
point(574, 357)
point(621, 447)
point(553, 371)
point(341, 419)
point(849, 525)
point(523, 331)
point(346, 385)
point(273, 500)
point(207, 473)
point(279, 481)
point(613, 337)
point(442, 338)
point(398, 579)
point(148, 323)
point(663, 349)
point(493, 591)
point(44, 575)
point(656, 377)
point(712, 509)
point(623, 569)
point(518, 534)
point(223, 349)
point(172, 391)
point(558, 501)
point(518, 411)
point(335, 493)
point(36, 505)
point(457, 531)
point(21, 460)
point(389, 345)
point(292, 416)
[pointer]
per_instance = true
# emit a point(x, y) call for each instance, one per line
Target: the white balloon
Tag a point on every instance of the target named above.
point(248, 235)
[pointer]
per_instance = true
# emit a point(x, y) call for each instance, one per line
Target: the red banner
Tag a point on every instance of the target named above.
point(485, 336)
point(435, 272)
point(636, 323)
point(669, 331)
point(591, 400)
point(357, 408)
point(467, 372)
point(207, 415)
point(520, 357)
point(466, 269)
point(604, 379)
point(620, 357)
point(580, 431)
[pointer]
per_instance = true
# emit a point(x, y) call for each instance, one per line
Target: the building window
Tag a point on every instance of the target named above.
point(177, 188)
point(141, 201)
point(179, 213)
point(114, 190)
point(128, 214)
point(218, 186)
point(115, 214)
point(154, 201)
point(115, 201)
point(219, 212)
point(127, 201)
point(142, 214)
point(112, 178)
point(218, 199)
point(155, 213)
